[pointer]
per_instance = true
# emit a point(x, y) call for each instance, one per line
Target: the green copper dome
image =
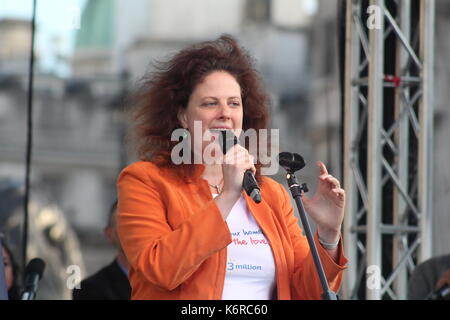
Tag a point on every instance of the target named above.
point(96, 27)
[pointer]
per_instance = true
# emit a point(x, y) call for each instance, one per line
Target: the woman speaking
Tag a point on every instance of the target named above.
point(188, 229)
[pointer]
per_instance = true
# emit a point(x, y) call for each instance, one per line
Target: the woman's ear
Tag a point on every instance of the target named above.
point(182, 118)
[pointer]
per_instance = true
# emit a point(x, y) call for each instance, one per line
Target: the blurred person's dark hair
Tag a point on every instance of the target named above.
point(14, 290)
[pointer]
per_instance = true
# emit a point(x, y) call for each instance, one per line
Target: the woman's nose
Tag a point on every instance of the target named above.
point(225, 110)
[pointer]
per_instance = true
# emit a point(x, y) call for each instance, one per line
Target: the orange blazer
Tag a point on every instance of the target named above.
point(176, 240)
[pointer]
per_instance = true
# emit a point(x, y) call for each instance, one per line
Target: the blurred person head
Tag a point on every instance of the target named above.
point(110, 231)
point(11, 272)
point(161, 104)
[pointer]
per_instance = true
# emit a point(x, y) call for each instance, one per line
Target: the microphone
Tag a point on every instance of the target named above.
point(443, 293)
point(291, 162)
point(249, 183)
point(33, 273)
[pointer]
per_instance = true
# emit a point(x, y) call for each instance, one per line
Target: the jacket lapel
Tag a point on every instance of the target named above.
point(264, 216)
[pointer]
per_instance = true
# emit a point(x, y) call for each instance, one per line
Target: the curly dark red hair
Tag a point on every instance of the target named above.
point(163, 92)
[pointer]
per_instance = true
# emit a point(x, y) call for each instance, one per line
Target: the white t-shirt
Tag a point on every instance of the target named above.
point(250, 272)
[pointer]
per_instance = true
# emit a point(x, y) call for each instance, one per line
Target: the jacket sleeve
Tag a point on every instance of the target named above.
point(305, 281)
point(166, 257)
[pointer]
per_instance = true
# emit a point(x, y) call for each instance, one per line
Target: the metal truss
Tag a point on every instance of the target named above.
point(387, 144)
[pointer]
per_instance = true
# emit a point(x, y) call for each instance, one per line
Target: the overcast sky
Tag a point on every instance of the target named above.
point(55, 32)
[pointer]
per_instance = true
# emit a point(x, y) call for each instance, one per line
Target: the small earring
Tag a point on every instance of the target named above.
point(185, 134)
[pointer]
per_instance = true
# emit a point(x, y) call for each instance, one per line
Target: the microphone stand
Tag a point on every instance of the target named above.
point(296, 191)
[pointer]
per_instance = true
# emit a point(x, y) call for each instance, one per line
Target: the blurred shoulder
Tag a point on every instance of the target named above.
point(143, 169)
point(142, 166)
point(149, 173)
point(436, 263)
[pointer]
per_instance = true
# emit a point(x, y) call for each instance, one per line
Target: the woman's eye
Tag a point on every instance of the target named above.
point(209, 103)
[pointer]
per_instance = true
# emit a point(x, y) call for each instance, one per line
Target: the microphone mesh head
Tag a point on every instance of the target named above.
point(291, 161)
point(36, 265)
